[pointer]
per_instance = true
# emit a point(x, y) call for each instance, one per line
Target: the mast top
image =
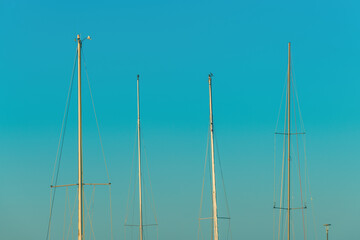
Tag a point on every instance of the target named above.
point(78, 38)
point(289, 47)
point(210, 75)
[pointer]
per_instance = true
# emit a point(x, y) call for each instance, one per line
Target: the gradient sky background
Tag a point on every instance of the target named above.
point(173, 45)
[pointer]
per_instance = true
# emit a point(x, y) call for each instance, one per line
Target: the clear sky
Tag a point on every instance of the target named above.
point(173, 45)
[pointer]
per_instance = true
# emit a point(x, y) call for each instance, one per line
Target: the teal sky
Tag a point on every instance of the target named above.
point(173, 45)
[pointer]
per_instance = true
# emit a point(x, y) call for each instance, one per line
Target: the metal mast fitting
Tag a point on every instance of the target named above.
point(215, 217)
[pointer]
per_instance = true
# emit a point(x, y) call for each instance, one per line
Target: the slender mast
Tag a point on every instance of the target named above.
point(215, 217)
point(80, 173)
point(139, 155)
point(288, 104)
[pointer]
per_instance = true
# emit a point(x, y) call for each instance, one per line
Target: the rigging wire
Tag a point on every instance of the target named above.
point(92, 199)
point(276, 126)
point(66, 198)
point(152, 204)
point(101, 143)
point(282, 171)
point(223, 184)
point(59, 157)
point(203, 183)
point(71, 218)
point(222, 177)
point(135, 181)
point(299, 169)
point(131, 176)
point(111, 223)
point(302, 127)
point(312, 210)
point(68, 208)
point(96, 119)
point(303, 192)
point(151, 191)
point(87, 207)
point(144, 196)
point(307, 181)
point(59, 150)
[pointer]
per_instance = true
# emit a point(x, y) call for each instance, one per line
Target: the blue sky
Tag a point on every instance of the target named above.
point(173, 45)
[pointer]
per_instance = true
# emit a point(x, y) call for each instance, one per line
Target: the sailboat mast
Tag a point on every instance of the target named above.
point(139, 155)
point(288, 110)
point(80, 164)
point(215, 218)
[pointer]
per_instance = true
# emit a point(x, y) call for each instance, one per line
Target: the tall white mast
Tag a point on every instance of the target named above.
point(80, 173)
point(139, 155)
point(215, 217)
point(288, 109)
